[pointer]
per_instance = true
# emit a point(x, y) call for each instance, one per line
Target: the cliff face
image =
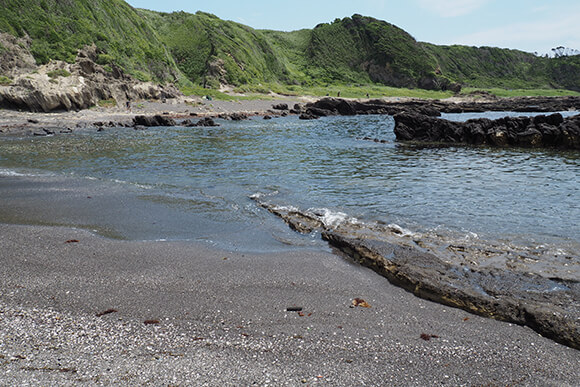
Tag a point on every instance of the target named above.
point(64, 86)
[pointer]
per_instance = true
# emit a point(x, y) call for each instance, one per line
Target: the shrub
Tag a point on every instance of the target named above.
point(107, 103)
point(58, 73)
point(5, 81)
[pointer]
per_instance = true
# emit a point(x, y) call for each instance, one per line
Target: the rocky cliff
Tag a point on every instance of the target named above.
point(63, 86)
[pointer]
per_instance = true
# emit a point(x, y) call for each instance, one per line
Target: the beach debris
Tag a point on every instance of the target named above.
point(294, 309)
point(72, 241)
point(151, 322)
point(360, 302)
point(105, 312)
point(428, 337)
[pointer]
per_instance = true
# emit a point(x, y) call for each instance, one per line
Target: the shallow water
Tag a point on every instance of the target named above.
point(526, 199)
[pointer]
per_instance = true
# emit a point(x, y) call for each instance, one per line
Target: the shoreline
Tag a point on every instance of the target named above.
point(19, 123)
point(220, 317)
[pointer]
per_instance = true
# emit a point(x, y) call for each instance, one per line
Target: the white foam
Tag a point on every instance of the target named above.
point(402, 231)
point(331, 219)
point(9, 172)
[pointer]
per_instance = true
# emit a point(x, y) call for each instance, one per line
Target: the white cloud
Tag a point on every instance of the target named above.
point(452, 8)
point(536, 35)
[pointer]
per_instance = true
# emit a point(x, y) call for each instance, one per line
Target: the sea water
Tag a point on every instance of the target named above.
point(348, 168)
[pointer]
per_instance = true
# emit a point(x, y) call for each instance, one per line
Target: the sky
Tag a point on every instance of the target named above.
point(528, 25)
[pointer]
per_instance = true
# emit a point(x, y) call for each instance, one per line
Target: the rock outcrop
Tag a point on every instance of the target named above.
point(156, 120)
point(532, 132)
point(65, 86)
point(550, 306)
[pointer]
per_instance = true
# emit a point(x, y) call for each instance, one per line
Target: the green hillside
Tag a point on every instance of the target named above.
point(363, 49)
point(207, 51)
point(211, 51)
point(486, 66)
point(58, 28)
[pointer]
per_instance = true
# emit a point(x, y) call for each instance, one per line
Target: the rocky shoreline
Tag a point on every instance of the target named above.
point(550, 306)
point(101, 311)
point(553, 131)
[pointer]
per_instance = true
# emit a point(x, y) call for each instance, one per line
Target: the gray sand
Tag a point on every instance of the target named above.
point(223, 321)
point(14, 122)
point(223, 316)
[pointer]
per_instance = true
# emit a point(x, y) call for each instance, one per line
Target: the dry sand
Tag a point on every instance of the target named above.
point(220, 318)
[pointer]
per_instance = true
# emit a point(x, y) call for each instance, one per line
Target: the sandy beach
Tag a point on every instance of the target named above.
point(81, 309)
point(221, 318)
point(14, 122)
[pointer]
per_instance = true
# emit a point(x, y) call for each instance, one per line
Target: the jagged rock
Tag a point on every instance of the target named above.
point(540, 131)
point(552, 308)
point(156, 120)
point(308, 116)
point(280, 106)
point(238, 116)
point(206, 121)
point(63, 86)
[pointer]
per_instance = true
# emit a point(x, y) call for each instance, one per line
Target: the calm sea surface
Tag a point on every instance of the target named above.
point(525, 197)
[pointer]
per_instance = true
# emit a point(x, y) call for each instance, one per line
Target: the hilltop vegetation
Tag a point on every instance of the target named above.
point(59, 28)
point(201, 49)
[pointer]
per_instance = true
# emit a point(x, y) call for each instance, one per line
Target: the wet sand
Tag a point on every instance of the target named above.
point(220, 318)
point(217, 317)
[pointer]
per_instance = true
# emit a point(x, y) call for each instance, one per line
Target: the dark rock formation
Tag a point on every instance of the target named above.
point(539, 131)
point(280, 106)
point(206, 121)
point(336, 106)
point(238, 116)
point(549, 306)
point(157, 120)
point(551, 309)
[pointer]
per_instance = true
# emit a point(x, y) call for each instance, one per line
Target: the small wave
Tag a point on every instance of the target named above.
point(260, 195)
point(9, 172)
point(138, 185)
point(14, 173)
point(395, 228)
point(331, 219)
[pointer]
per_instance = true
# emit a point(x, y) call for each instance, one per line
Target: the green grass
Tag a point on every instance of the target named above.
point(59, 28)
point(107, 103)
point(5, 81)
point(58, 73)
point(524, 92)
point(200, 52)
point(203, 92)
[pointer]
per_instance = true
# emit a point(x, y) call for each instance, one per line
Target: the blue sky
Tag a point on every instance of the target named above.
point(532, 25)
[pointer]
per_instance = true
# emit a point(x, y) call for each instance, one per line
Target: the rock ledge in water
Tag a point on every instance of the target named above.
point(531, 132)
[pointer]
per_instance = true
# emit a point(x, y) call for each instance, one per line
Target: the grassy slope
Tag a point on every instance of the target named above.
point(362, 49)
point(199, 41)
point(59, 28)
point(489, 66)
point(341, 55)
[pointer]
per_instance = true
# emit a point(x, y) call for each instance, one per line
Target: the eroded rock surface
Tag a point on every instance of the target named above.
point(550, 306)
point(540, 131)
point(60, 86)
